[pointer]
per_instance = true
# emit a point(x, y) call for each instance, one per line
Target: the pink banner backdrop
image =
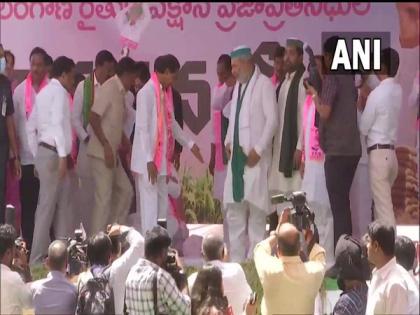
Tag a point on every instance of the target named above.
point(197, 33)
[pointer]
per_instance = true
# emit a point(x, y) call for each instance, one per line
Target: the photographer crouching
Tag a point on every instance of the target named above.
point(293, 276)
point(156, 284)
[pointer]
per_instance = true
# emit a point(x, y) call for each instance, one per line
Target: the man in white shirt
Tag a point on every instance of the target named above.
point(123, 259)
point(55, 294)
point(50, 141)
point(15, 296)
point(379, 122)
point(84, 97)
point(391, 290)
point(154, 141)
point(24, 100)
point(235, 285)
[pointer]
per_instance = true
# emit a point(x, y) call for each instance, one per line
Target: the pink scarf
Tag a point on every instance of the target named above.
point(274, 79)
point(316, 153)
point(168, 116)
point(28, 92)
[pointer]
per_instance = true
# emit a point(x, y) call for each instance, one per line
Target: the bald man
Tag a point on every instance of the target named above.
point(55, 294)
point(290, 285)
point(235, 285)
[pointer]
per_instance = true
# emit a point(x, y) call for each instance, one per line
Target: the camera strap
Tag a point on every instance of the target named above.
point(154, 288)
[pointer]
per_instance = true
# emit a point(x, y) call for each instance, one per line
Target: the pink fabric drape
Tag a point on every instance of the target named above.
point(166, 114)
point(29, 90)
point(316, 153)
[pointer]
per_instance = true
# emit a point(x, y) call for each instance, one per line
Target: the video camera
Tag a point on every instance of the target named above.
point(77, 250)
point(300, 216)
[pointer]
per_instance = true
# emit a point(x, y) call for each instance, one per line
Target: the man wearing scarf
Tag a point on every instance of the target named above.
point(24, 99)
point(252, 123)
point(284, 173)
point(84, 97)
point(154, 141)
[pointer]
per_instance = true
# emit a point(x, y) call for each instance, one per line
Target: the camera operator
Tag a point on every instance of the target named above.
point(150, 289)
point(290, 284)
point(15, 296)
point(104, 253)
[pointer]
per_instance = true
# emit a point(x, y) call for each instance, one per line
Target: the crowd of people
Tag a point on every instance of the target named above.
point(76, 149)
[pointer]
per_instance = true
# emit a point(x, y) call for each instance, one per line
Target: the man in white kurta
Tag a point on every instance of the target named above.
point(152, 173)
point(253, 120)
point(280, 181)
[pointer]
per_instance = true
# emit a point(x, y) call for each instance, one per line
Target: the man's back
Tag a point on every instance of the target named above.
point(290, 286)
point(15, 296)
point(139, 291)
point(54, 295)
point(340, 134)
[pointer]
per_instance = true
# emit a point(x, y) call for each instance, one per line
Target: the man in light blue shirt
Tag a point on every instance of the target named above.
point(55, 294)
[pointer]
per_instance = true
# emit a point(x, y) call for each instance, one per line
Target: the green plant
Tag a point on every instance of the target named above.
point(200, 206)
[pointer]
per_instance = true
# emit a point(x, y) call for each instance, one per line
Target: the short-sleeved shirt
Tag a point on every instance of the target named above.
point(339, 134)
point(109, 103)
point(6, 107)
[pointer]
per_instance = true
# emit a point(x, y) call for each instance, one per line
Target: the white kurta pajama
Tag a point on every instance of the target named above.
point(277, 182)
point(153, 198)
point(257, 124)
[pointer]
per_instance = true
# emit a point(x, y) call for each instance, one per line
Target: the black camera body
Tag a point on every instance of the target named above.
point(300, 216)
point(77, 250)
point(175, 271)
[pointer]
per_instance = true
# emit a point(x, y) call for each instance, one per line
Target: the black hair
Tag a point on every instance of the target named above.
point(48, 60)
point(384, 234)
point(10, 54)
point(62, 65)
point(78, 77)
point(156, 244)
point(7, 238)
point(405, 252)
point(125, 65)
point(116, 244)
point(166, 62)
point(38, 51)
point(279, 52)
point(142, 70)
point(102, 57)
point(226, 61)
point(391, 60)
point(289, 248)
point(207, 286)
point(99, 249)
point(330, 45)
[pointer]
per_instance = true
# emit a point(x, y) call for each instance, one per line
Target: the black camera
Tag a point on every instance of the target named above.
point(174, 270)
point(300, 216)
point(77, 250)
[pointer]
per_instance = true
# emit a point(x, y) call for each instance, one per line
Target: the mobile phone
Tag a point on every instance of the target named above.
point(253, 298)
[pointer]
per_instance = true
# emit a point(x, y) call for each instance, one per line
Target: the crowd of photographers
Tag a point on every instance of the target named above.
point(119, 271)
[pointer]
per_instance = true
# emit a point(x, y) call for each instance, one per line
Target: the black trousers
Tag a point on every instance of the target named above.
point(29, 191)
point(4, 155)
point(339, 174)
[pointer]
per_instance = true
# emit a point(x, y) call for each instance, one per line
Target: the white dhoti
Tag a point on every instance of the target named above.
point(55, 207)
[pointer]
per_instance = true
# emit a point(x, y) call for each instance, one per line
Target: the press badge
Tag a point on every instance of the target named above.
point(3, 107)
